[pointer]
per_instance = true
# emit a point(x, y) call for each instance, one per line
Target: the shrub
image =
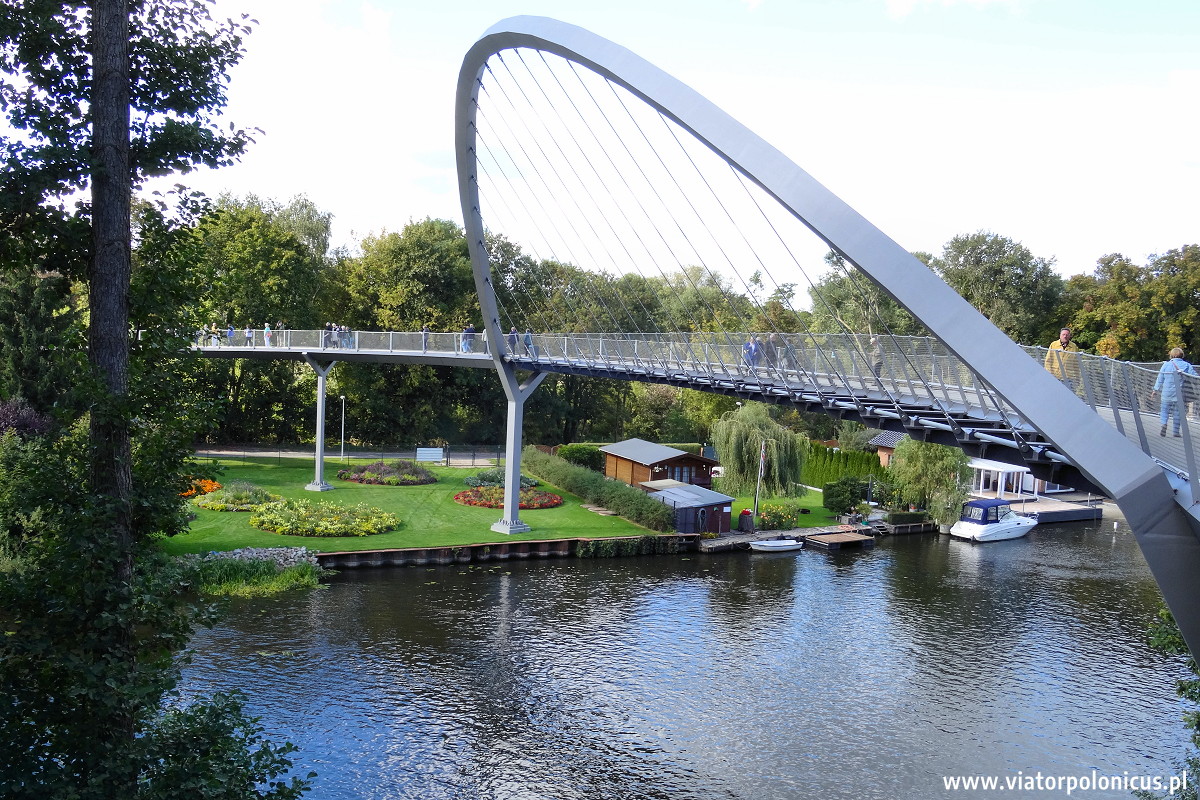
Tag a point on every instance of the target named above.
point(306, 518)
point(389, 473)
point(582, 455)
point(237, 496)
point(632, 504)
point(777, 516)
point(495, 477)
point(493, 497)
point(843, 495)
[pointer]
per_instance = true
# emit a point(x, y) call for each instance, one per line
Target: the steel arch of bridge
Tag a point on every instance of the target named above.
point(1164, 524)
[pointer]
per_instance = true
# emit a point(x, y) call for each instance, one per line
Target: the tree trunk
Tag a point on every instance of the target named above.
point(108, 328)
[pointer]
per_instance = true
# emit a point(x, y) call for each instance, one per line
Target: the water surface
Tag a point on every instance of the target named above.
point(857, 674)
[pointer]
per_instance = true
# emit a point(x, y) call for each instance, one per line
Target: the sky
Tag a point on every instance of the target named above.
point(1067, 125)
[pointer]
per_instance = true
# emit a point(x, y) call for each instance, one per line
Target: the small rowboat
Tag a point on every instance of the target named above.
point(776, 545)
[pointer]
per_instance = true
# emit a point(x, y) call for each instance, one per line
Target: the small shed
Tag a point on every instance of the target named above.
point(635, 461)
point(697, 510)
point(885, 445)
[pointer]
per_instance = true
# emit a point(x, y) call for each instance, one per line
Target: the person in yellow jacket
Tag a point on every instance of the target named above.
point(1060, 365)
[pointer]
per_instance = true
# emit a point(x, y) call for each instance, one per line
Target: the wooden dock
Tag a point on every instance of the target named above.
point(838, 540)
point(833, 537)
point(1053, 510)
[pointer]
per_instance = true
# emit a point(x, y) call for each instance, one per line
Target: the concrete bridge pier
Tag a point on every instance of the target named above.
point(517, 394)
point(318, 483)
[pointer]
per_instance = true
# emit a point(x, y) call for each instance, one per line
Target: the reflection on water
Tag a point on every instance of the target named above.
point(857, 674)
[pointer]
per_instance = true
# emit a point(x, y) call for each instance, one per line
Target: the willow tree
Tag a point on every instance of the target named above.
point(739, 437)
point(931, 476)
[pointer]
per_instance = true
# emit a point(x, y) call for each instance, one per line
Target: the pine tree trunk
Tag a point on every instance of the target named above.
point(108, 327)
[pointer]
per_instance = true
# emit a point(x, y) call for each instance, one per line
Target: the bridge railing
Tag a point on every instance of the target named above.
point(914, 371)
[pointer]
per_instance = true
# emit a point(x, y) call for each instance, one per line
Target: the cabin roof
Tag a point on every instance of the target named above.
point(690, 497)
point(643, 452)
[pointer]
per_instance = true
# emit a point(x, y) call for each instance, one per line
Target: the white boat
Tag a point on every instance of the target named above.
point(776, 545)
point(991, 521)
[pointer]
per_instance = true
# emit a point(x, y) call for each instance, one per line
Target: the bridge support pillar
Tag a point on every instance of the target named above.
point(517, 395)
point(318, 482)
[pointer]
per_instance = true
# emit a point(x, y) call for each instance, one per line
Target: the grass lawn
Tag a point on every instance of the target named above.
point(818, 517)
point(429, 517)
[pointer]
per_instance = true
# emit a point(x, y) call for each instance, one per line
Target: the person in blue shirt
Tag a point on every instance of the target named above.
point(1173, 390)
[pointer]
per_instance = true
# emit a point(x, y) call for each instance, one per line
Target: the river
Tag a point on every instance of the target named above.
point(854, 674)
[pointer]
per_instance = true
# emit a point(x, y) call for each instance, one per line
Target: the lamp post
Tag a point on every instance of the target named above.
point(343, 397)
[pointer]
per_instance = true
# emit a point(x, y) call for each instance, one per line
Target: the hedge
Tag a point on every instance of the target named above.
point(630, 503)
point(582, 455)
point(824, 465)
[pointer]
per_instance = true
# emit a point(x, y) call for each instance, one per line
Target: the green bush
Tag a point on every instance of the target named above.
point(582, 455)
point(842, 496)
point(306, 518)
point(632, 504)
point(495, 477)
point(237, 496)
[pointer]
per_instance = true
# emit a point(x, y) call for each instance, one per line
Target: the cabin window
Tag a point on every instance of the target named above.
point(682, 474)
point(972, 513)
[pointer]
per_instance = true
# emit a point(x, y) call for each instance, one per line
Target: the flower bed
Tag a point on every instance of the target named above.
point(306, 518)
point(237, 496)
point(389, 473)
point(200, 486)
point(495, 477)
point(493, 497)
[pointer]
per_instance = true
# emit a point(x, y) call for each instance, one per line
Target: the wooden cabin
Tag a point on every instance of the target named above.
point(636, 461)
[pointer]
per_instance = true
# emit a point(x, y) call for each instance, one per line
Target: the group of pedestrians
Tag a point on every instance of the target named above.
point(337, 337)
point(776, 353)
point(228, 336)
point(513, 337)
point(1174, 390)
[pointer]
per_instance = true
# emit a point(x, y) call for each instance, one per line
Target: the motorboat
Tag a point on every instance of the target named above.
point(776, 545)
point(991, 521)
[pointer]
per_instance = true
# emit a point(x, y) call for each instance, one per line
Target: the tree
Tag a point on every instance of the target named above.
point(930, 476)
point(257, 270)
point(657, 414)
point(738, 437)
point(1017, 291)
point(103, 96)
point(846, 301)
point(421, 275)
point(854, 436)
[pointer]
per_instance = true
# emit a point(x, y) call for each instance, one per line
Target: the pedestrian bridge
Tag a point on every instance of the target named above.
point(917, 385)
point(608, 202)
